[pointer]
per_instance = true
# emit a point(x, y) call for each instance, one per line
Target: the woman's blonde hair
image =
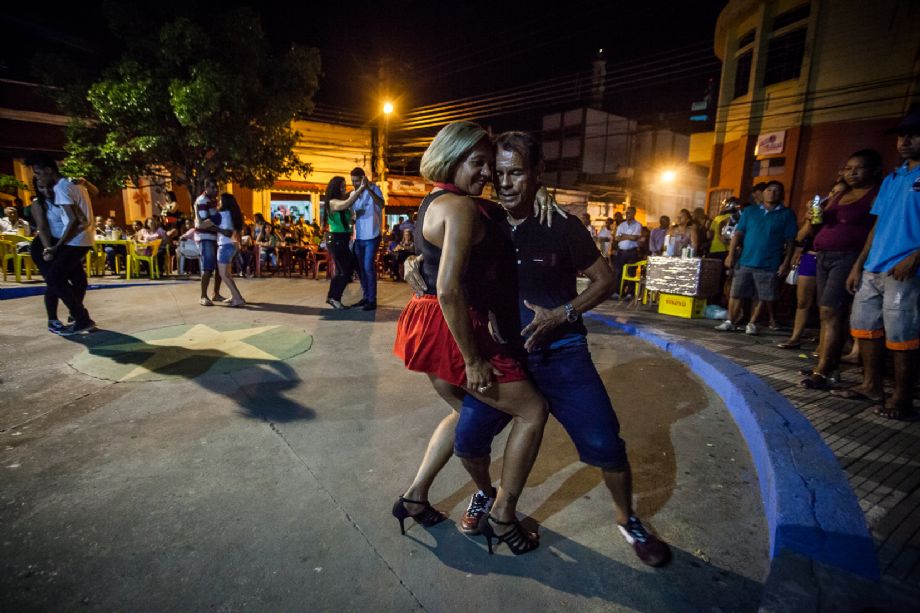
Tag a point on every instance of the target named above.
point(449, 147)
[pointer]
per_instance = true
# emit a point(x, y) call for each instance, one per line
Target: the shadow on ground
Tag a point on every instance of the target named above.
point(381, 314)
point(598, 575)
point(264, 399)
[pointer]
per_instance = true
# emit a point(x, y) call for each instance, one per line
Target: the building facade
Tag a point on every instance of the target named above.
point(619, 162)
point(804, 84)
point(30, 123)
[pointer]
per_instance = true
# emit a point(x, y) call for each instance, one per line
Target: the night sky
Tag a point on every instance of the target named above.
point(659, 54)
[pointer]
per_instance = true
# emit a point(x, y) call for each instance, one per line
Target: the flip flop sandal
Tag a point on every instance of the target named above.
point(851, 394)
point(794, 345)
point(815, 382)
point(807, 371)
point(893, 412)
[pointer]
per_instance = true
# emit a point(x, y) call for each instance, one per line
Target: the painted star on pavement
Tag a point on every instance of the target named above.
point(206, 341)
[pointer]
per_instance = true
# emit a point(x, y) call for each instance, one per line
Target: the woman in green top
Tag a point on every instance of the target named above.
point(339, 217)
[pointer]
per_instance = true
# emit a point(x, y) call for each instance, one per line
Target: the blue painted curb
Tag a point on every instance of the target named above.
point(10, 293)
point(809, 505)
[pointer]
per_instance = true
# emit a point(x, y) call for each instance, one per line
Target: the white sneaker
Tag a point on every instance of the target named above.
point(727, 326)
point(751, 329)
point(205, 302)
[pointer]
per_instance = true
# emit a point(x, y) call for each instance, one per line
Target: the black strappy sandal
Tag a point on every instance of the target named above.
point(429, 516)
point(519, 541)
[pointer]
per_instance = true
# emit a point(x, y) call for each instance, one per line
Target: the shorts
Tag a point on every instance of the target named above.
point(886, 307)
point(807, 266)
point(425, 344)
point(576, 396)
point(833, 268)
point(225, 253)
point(208, 249)
point(754, 283)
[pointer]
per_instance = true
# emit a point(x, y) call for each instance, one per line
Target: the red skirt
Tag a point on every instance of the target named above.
point(425, 344)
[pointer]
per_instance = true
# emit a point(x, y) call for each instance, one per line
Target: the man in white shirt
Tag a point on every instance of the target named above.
point(66, 275)
point(12, 223)
point(367, 210)
point(628, 235)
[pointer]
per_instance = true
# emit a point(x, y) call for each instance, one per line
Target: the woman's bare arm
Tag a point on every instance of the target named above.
point(39, 214)
point(341, 205)
point(457, 220)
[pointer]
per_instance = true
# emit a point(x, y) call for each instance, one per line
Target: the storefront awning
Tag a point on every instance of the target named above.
point(298, 186)
point(403, 201)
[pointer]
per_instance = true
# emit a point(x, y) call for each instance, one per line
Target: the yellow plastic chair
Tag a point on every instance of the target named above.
point(95, 262)
point(18, 259)
point(137, 253)
point(635, 277)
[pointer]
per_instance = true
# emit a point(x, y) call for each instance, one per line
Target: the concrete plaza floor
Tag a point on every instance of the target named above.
point(188, 458)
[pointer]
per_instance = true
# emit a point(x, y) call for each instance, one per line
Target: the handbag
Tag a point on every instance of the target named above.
point(793, 275)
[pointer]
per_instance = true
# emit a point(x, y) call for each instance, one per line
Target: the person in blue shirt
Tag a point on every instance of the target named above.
point(367, 212)
point(766, 235)
point(886, 282)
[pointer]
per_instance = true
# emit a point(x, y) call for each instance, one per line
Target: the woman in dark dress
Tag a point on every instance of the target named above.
point(445, 332)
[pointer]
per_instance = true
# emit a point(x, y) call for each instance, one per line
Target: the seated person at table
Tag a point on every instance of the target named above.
point(246, 255)
point(268, 243)
point(151, 232)
point(112, 252)
point(187, 250)
point(13, 224)
point(136, 227)
point(402, 251)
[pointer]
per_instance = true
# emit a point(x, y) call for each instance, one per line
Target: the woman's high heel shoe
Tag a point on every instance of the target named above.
point(518, 539)
point(429, 516)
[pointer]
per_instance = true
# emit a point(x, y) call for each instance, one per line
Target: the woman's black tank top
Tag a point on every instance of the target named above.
point(481, 277)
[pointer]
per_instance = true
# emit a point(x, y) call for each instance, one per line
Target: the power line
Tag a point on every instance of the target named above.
point(525, 102)
point(556, 81)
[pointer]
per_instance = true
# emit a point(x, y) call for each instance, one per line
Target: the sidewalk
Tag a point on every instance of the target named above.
point(880, 456)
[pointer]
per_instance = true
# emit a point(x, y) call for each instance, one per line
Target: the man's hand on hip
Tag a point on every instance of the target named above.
point(544, 322)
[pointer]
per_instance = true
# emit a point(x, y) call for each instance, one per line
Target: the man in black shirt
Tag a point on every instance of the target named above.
point(555, 349)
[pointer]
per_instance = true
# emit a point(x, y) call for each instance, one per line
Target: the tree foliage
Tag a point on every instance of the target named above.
point(191, 101)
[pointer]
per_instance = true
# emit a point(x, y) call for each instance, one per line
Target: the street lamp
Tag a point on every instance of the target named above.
point(383, 137)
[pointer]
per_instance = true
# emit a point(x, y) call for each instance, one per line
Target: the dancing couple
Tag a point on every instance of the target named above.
point(477, 259)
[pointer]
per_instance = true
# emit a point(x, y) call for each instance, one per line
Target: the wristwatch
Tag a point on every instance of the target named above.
point(571, 315)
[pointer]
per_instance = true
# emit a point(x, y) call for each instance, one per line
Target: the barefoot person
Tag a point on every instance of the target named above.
point(444, 333)
point(228, 237)
point(886, 281)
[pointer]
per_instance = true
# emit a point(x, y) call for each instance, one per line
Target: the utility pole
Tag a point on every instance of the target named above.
point(384, 108)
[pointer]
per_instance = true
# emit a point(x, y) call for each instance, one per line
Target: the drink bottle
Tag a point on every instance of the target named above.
point(816, 212)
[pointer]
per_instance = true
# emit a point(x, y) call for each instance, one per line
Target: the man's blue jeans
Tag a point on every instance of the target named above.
point(569, 381)
point(366, 255)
